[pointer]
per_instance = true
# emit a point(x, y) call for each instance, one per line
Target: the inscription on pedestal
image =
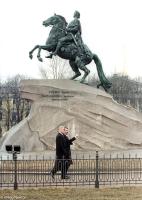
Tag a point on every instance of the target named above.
point(60, 95)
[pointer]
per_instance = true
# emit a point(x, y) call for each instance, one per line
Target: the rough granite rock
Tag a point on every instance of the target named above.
point(100, 122)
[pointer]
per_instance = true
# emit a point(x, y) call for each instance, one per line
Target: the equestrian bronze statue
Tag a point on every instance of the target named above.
point(65, 41)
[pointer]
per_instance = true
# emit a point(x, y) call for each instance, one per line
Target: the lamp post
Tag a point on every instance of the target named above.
point(14, 150)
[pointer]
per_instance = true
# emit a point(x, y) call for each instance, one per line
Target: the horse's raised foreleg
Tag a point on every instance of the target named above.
point(38, 54)
point(31, 52)
point(44, 47)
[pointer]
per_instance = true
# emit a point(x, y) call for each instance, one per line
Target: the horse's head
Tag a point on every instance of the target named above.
point(56, 19)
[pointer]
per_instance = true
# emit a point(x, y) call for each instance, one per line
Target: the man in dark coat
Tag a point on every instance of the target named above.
point(63, 154)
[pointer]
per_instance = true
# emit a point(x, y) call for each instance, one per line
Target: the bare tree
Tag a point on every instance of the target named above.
point(56, 68)
point(12, 107)
point(8, 109)
point(124, 90)
point(127, 91)
point(0, 131)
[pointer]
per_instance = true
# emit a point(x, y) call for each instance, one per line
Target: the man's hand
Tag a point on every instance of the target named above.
point(76, 136)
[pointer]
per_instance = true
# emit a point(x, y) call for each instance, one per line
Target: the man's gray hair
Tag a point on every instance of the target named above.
point(60, 127)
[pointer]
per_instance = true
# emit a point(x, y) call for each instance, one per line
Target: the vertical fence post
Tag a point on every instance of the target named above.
point(15, 170)
point(97, 171)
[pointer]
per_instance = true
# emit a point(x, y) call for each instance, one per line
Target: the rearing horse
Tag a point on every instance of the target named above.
point(69, 51)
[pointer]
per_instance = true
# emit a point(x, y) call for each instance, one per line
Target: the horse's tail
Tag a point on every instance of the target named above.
point(105, 83)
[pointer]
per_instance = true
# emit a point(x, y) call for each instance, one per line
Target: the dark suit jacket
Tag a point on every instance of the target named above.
point(61, 150)
point(63, 146)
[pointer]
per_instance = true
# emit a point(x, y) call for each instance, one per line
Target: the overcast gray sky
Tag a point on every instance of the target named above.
point(111, 28)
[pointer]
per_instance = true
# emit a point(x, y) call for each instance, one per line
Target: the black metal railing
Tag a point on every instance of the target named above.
point(101, 170)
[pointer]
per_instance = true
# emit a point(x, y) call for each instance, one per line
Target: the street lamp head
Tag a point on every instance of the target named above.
point(8, 148)
point(17, 148)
